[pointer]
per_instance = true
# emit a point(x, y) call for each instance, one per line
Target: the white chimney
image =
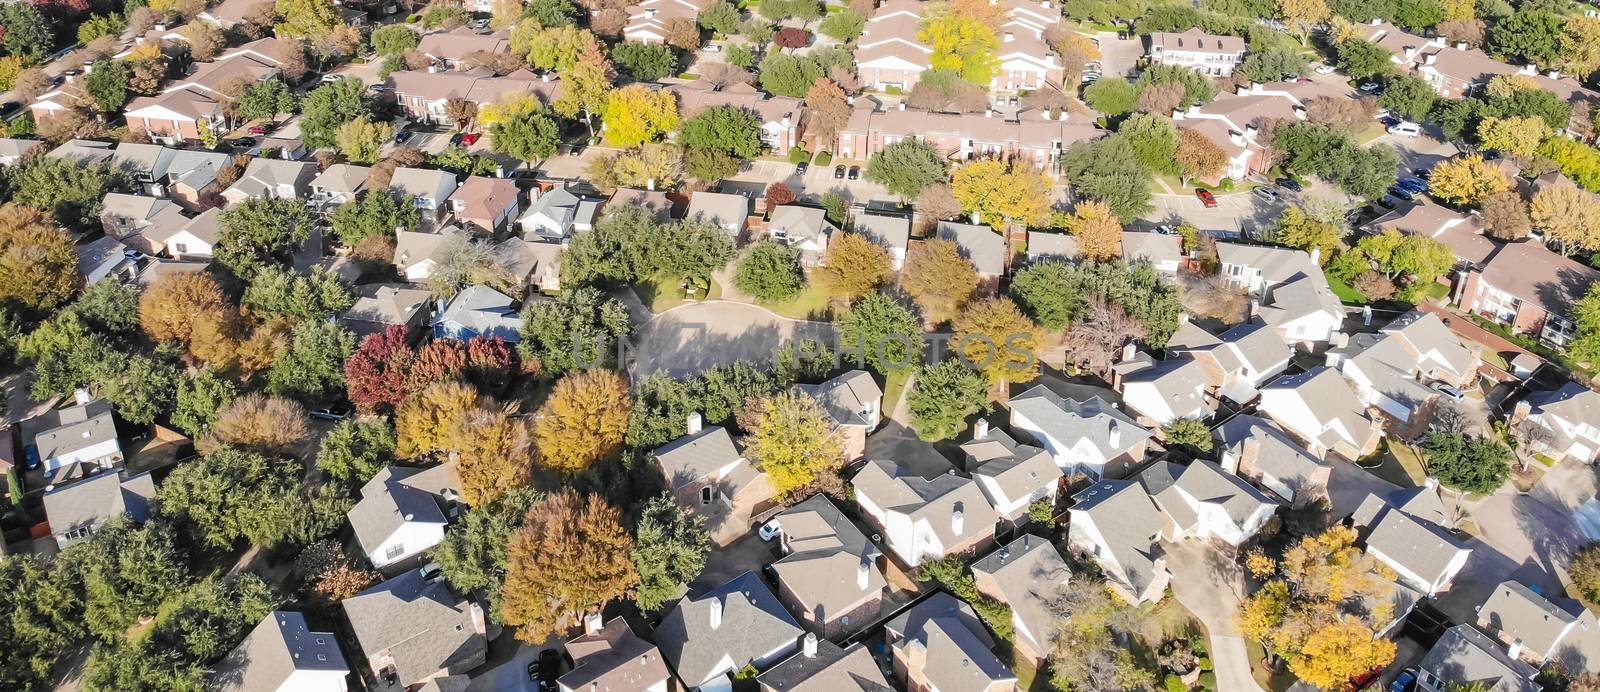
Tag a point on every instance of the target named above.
point(1062, 115)
point(1515, 649)
point(1010, 37)
point(980, 430)
point(1237, 138)
point(650, 184)
point(958, 520)
point(544, 77)
point(695, 422)
point(716, 613)
point(1114, 435)
point(808, 645)
point(1316, 256)
point(1553, 74)
point(82, 396)
point(1461, 45)
point(902, 105)
point(592, 622)
point(863, 572)
point(988, 113)
point(1430, 59)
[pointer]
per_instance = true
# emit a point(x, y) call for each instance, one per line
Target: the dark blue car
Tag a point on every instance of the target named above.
point(1388, 202)
point(1402, 193)
point(1288, 184)
point(1403, 681)
point(1413, 184)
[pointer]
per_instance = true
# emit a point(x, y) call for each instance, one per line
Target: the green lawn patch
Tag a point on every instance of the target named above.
point(1346, 293)
point(811, 304)
point(894, 385)
point(1274, 681)
point(688, 75)
point(662, 293)
point(1373, 131)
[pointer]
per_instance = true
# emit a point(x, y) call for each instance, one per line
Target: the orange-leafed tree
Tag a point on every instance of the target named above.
point(571, 556)
point(583, 421)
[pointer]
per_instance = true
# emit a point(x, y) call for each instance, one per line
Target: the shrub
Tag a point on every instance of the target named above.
point(823, 158)
point(798, 155)
point(790, 37)
point(1585, 571)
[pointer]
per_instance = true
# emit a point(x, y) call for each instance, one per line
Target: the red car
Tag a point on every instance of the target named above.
point(1206, 198)
point(469, 139)
point(258, 130)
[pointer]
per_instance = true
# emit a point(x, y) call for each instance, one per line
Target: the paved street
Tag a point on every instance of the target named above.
point(1211, 586)
point(1118, 56)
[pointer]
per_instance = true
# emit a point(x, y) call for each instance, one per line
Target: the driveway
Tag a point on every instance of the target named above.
point(1211, 586)
point(693, 338)
point(1118, 56)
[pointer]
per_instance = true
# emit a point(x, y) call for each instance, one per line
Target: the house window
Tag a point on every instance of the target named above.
point(180, 248)
point(394, 551)
point(705, 495)
point(1558, 330)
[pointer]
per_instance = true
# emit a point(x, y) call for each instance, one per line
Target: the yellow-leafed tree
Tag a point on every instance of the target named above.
point(637, 114)
point(1097, 229)
point(583, 421)
point(571, 556)
point(791, 439)
point(994, 336)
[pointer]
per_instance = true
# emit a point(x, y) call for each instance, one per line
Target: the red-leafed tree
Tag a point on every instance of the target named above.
point(439, 361)
point(377, 372)
point(790, 37)
point(490, 360)
point(778, 195)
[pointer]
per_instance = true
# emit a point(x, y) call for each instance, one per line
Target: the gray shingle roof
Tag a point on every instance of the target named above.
point(484, 312)
point(1515, 611)
point(1152, 247)
point(1427, 334)
point(1068, 421)
point(933, 499)
point(1130, 523)
point(99, 498)
point(832, 669)
point(827, 555)
point(1572, 402)
point(279, 645)
point(1465, 655)
point(960, 655)
point(1206, 482)
point(890, 232)
point(421, 624)
point(1181, 382)
point(720, 208)
point(75, 428)
point(695, 457)
point(981, 245)
point(1331, 401)
point(847, 398)
point(386, 304)
point(388, 503)
point(1422, 547)
point(1276, 453)
point(1018, 469)
point(752, 624)
point(613, 659)
point(1028, 572)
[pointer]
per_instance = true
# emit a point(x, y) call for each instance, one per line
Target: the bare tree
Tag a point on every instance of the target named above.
point(1161, 99)
point(1341, 113)
point(721, 74)
point(1095, 338)
point(461, 112)
point(1214, 296)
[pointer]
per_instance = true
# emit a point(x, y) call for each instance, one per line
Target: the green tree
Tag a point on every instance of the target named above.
point(1363, 59)
point(127, 572)
point(313, 365)
point(906, 167)
point(42, 599)
point(843, 26)
point(723, 128)
point(232, 494)
point(141, 387)
point(647, 62)
point(887, 334)
point(1107, 171)
point(1197, 87)
point(578, 327)
point(362, 140)
point(67, 189)
point(721, 17)
point(1408, 95)
point(472, 555)
point(28, 33)
point(1529, 103)
point(785, 74)
point(943, 397)
point(529, 137)
point(1275, 63)
point(263, 101)
point(1154, 141)
point(394, 39)
point(260, 231)
point(1053, 293)
point(373, 213)
point(1191, 433)
point(770, 271)
point(1308, 230)
point(1468, 463)
point(201, 397)
point(284, 292)
point(792, 439)
point(1585, 571)
point(107, 85)
point(669, 551)
point(1529, 36)
point(328, 107)
point(1111, 96)
point(356, 449)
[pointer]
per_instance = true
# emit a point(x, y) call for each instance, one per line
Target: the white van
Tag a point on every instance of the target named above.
point(1405, 129)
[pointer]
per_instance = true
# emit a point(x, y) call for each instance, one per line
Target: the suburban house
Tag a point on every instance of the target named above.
point(197, 103)
point(1405, 530)
point(426, 95)
point(532, 264)
point(892, 233)
point(712, 479)
point(1458, 70)
point(1319, 409)
point(1162, 251)
point(940, 644)
point(1529, 289)
point(853, 403)
point(1204, 501)
point(182, 174)
point(888, 53)
point(231, 13)
point(1569, 418)
point(1027, 61)
point(1025, 575)
point(647, 21)
point(479, 311)
point(1161, 392)
point(924, 518)
point(781, 117)
point(283, 654)
point(821, 666)
point(85, 152)
point(1536, 629)
point(380, 306)
point(983, 247)
point(485, 205)
point(106, 258)
point(612, 657)
point(728, 210)
point(804, 228)
point(77, 440)
point(412, 628)
point(13, 150)
point(1238, 361)
point(1119, 527)
point(272, 178)
point(403, 512)
point(656, 202)
point(339, 185)
point(1462, 232)
point(1394, 369)
point(1294, 294)
point(1046, 245)
point(429, 190)
point(1217, 56)
point(79, 507)
point(1255, 449)
point(556, 214)
point(1464, 656)
point(194, 238)
point(1035, 137)
point(828, 575)
point(709, 636)
point(138, 221)
point(449, 48)
point(1089, 437)
point(415, 253)
point(1233, 121)
point(1013, 476)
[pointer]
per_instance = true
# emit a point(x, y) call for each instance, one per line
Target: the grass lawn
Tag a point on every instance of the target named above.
point(1373, 131)
point(662, 293)
point(1345, 292)
point(1400, 465)
point(811, 304)
point(894, 387)
point(1267, 679)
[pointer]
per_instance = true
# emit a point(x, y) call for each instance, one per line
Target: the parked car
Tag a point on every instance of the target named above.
point(1388, 202)
point(480, 24)
point(769, 530)
point(31, 454)
point(258, 129)
point(546, 669)
point(1422, 173)
point(1413, 184)
point(1389, 121)
point(1265, 194)
point(1206, 198)
point(1401, 192)
point(1370, 88)
point(331, 78)
point(244, 142)
point(1402, 682)
point(402, 136)
point(376, 88)
point(1405, 129)
point(1324, 68)
point(713, 48)
point(802, 167)
point(455, 139)
point(1289, 184)
point(1447, 390)
point(838, 172)
point(854, 173)
point(330, 413)
point(469, 139)
point(1165, 229)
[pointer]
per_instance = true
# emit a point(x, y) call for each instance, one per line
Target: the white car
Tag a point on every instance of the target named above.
point(770, 530)
point(713, 48)
point(331, 78)
point(1405, 129)
point(1325, 69)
